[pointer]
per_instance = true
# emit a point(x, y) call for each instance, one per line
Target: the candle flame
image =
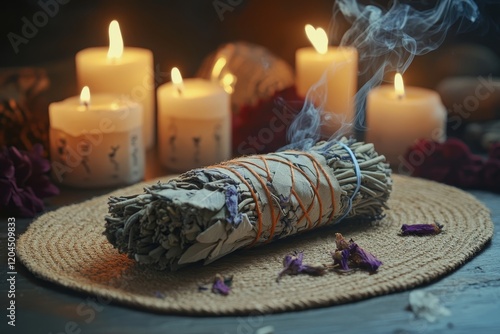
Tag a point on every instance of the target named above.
point(218, 67)
point(85, 96)
point(399, 86)
point(318, 38)
point(228, 82)
point(115, 50)
point(177, 80)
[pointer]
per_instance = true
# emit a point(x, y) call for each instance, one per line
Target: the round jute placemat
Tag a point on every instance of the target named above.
point(66, 246)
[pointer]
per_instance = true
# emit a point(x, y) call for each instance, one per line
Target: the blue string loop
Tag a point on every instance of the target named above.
point(357, 170)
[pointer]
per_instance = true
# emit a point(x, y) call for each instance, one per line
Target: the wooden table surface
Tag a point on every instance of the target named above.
point(471, 293)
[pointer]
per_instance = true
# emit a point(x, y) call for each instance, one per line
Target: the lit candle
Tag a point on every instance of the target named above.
point(340, 67)
point(120, 70)
point(194, 123)
point(396, 116)
point(96, 141)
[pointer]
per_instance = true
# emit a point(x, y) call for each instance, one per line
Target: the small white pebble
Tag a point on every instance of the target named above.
point(426, 305)
point(265, 330)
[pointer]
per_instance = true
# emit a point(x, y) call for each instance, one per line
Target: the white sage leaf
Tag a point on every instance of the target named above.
point(196, 252)
point(213, 234)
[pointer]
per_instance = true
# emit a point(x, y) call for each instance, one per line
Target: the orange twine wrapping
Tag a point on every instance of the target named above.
point(265, 180)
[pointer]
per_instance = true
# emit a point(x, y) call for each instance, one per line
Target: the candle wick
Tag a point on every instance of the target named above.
point(113, 60)
point(179, 91)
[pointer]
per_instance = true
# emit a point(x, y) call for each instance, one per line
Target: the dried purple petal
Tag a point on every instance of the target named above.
point(159, 295)
point(362, 258)
point(349, 254)
point(234, 217)
point(341, 242)
point(221, 285)
point(341, 258)
point(23, 181)
point(421, 229)
point(293, 265)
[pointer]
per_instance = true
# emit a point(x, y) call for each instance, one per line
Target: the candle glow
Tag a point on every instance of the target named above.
point(85, 96)
point(114, 157)
point(318, 38)
point(194, 123)
point(228, 81)
point(418, 113)
point(218, 66)
point(399, 86)
point(118, 69)
point(177, 80)
point(115, 50)
point(336, 68)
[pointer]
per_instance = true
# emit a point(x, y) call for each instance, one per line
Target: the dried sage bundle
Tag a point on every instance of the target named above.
point(207, 213)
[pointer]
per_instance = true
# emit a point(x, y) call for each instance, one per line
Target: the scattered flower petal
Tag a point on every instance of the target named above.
point(159, 295)
point(341, 242)
point(421, 229)
point(293, 265)
point(341, 258)
point(362, 258)
point(350, 255)
point(221, 285)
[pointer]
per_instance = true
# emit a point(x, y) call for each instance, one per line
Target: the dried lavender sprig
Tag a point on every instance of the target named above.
point(293, 265)
point(349, 254)
point(421, 229)
point(221, 285)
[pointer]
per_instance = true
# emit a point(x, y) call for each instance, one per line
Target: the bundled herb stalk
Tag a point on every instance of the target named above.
point(207, 213)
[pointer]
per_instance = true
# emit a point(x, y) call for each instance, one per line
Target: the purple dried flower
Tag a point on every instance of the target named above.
point(293, 265)
point(341, 258)
point(340, 242)
point(221, 285)
point(349, 254)
point(234, 217)
point(362, 258)
point(23, 181)
point(159, 295)
point(421, 229)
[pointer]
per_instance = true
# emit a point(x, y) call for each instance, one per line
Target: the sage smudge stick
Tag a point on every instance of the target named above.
point(209, 212)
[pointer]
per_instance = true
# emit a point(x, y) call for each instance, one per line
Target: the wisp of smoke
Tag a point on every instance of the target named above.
point(387, 40)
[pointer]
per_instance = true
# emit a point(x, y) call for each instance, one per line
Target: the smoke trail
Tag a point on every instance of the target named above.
point(387, 40)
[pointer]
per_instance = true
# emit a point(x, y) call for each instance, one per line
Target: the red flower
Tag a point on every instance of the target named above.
point(262, 128)
point(24, 181)
point(453, 163)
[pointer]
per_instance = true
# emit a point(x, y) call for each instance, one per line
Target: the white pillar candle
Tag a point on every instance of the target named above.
point(397, 116)
point(96, 141)
point(339, 66)
point(120, 70)
point(194, 123)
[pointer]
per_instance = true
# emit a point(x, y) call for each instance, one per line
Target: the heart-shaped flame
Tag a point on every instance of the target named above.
point(318, 38)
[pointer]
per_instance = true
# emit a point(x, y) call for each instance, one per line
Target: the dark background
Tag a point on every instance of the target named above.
point(181, 33)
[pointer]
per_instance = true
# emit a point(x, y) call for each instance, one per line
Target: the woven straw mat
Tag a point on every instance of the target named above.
point(67, 247)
